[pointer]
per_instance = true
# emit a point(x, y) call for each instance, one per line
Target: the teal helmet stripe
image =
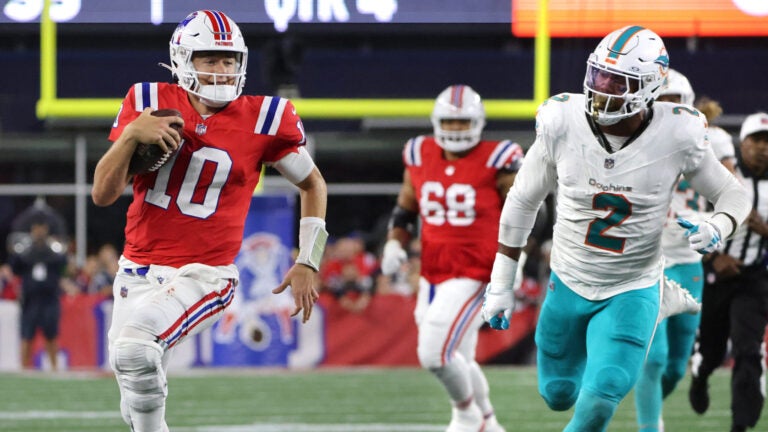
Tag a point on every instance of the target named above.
point(622, 40)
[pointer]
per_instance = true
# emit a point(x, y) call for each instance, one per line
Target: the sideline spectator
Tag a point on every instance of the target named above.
point(348, 273)
point(10, 285)
point(405, 281)
point(40, 259)
point(107, 266)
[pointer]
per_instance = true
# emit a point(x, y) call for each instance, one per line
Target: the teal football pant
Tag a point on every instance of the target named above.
point(590, 352)
point(671, 348)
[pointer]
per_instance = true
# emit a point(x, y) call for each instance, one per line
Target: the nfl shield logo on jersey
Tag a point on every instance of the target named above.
point(609, 162)
point(200, 129)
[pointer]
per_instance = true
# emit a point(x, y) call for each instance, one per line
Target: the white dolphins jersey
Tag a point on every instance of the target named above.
point(691, 205)
point(612, 207)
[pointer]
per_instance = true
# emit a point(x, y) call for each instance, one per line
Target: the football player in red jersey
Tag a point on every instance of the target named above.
point(456, 183)
point(185, 224)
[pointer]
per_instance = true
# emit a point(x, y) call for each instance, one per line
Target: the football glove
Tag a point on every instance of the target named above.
point(704, 237)
point(500, 294)
point(392, 257)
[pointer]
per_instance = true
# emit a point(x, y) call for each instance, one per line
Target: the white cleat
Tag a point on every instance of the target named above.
point(676, 300)
point(492, 424)
point(469, 419)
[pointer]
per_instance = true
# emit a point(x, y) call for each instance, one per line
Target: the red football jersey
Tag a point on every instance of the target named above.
point(460, 206)
point(193, 209)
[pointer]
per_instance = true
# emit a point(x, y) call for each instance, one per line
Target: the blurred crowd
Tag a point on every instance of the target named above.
point(95, 276)
point(350, 273)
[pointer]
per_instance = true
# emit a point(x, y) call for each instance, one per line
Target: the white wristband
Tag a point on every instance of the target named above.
point(312, 238)
point(723, 223)
point(503, 273)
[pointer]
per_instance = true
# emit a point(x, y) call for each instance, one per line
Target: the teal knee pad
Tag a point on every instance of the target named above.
point(613, 383)
point(560, 394)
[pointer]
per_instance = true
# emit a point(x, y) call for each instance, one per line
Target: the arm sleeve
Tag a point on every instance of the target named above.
point(536, 178)
point(720, 187)
point(295, 166)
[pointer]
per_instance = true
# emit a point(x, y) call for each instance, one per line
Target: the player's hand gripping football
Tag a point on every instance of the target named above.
point(301, 279)
point(704, 237)
point(149, 129)
point(500, 294)
point(392, 257)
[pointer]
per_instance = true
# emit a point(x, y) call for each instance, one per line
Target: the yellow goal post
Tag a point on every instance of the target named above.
point(50, 106)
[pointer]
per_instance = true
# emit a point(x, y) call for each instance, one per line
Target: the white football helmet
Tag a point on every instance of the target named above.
point(634, 63)
point(678, 84)
point(208, 30)
point(458, 102)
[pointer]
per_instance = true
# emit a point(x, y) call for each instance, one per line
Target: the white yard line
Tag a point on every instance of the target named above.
point(261, 427)
point(304, 427)
point(36, 415)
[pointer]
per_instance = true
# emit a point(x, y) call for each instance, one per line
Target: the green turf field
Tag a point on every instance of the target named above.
point(328, 400)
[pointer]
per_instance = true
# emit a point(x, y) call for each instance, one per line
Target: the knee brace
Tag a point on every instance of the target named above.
point(138, 367)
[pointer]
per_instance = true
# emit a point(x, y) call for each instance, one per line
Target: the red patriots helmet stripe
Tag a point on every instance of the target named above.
point(221, 28)
point(457, 96)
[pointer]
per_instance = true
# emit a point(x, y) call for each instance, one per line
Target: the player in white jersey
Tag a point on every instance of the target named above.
point(667, 358)
point(614, 169)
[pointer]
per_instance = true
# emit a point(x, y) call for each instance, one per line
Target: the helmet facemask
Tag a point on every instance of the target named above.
point(611, 95)
point(204, 32)
point(625, 74)
point(458, 102)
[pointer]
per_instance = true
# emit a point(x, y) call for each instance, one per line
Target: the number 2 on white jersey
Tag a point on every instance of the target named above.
point(620, 209)
point(158, 195)
point(459, 207)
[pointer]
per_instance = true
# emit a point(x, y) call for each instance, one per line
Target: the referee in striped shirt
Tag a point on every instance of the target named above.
point(735, 295)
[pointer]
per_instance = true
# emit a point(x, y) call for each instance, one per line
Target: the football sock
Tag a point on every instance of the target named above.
point(480, 388)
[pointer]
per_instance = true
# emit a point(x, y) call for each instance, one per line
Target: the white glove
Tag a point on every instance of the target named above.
point(499, 294)
point(393, 257)
point(704, 237)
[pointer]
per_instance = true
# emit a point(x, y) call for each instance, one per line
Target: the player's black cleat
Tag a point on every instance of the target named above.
point(698, 394)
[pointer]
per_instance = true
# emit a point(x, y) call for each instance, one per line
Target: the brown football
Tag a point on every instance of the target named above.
point(150, 157)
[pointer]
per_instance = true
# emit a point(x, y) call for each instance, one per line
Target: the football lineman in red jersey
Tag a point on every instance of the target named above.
point(185, 224)
point(457, 183)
